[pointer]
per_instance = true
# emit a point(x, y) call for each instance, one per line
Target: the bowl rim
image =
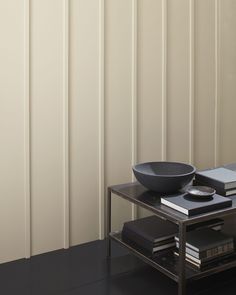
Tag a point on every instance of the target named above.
point(163, 175)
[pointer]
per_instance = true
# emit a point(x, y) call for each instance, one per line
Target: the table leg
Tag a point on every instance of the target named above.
point(182, 250)
point(108, 221)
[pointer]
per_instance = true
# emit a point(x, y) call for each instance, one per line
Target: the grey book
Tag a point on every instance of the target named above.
point(220, 191)
point(221, 177)
point(231, 166)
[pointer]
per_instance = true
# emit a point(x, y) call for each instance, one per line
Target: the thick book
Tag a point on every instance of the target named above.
point(210, 253)
point(147, 247)
point(190, 206)
point(219, 191)
point(151, 228)
point(205, 239)
point(144, 243)
point(204, 264)
point(231, 166)
point(221, 177)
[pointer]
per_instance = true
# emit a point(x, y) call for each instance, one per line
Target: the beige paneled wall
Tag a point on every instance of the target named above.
point(12, 130)
point(118, 99)
point(89, 87)
point(178, 80)
point(46, 101)
point(84, 120)
point(226, 81)
point(205, 83)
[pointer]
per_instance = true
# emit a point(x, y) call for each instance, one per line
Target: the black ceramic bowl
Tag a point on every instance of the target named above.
point(164, 177)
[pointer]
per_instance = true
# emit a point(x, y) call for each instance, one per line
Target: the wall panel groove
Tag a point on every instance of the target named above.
point(164, 79)
point(134, 90)
point(191, 78)
point(217, 97)
point(101, 118)
point(66, 193)
point(27, 128)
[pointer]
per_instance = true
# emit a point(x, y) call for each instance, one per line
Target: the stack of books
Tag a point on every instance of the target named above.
point(151, 234)
point(222, 179)
point(206, 246)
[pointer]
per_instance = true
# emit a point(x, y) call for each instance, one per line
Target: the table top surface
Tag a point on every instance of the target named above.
point(138, 194)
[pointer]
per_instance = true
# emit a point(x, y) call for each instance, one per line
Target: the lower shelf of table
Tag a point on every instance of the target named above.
point(167, 261)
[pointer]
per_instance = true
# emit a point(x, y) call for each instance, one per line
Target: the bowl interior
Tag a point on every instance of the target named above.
point(165, 168)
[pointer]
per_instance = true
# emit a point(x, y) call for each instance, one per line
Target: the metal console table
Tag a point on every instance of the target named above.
point(172, 266)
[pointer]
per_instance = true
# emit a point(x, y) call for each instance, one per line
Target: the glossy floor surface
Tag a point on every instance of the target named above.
point(84, 270)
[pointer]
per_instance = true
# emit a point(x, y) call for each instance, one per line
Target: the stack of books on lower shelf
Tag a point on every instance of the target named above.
point(206, 246)
point(151, 234)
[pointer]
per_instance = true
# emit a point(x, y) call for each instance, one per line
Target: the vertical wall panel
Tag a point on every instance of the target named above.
point(204, 131)
point(47, 124)
point(150, 81)
point(178, 80)
point(118, 104)
point(66, 157)
point(12, 193)
point(101, 118)
point(227, 85)
point(84, 120)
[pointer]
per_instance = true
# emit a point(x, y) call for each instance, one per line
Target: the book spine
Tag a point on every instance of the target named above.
point(136, 245)
point(217, 251)
point(210, 253)
point(206, 209)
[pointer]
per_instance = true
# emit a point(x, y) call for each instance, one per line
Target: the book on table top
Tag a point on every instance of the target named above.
point(205, 239)
point(219, 191)
point(220, 177)
point(151, 229)
point(231, 166)
point(190, 206)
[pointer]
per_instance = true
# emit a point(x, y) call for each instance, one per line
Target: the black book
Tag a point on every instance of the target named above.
point(205, 239)
point(140, 240)
point(210, 253)
point(149, 232)
point(220, 177)
point(190, 206)
point(141, 244)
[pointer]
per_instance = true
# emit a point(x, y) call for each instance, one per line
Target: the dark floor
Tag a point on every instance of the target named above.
point(84, 270)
